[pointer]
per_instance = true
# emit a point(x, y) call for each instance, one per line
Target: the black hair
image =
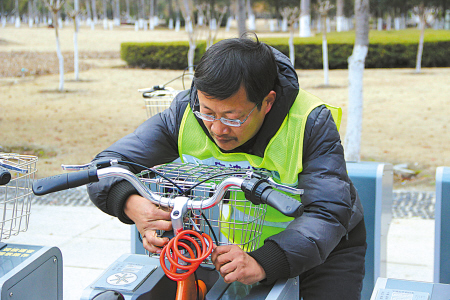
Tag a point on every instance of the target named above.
point(231, 63)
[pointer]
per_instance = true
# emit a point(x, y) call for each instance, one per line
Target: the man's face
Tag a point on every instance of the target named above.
point(235, 107)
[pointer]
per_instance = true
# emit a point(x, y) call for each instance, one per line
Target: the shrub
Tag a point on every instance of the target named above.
point(159, 55)
point(392, 49)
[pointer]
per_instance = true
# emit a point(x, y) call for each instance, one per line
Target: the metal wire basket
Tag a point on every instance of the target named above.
point(234, 220)
point(16, 196)
point(159, 100)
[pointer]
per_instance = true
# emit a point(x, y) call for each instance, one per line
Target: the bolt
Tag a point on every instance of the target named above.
point(55, 260)
point(11, 294)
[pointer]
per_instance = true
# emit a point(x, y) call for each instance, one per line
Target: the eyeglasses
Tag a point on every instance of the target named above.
point(228, 122)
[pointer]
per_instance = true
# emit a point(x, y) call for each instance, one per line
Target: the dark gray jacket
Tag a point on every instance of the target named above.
point(332, 206)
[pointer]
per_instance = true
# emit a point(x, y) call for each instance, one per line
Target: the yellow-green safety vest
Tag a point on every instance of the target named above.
point(282, 156)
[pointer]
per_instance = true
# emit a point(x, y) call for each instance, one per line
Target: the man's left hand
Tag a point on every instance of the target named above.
point(236, 265)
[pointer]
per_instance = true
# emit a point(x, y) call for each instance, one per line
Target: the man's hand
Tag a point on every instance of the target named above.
point(148, 218)
point(236, 265)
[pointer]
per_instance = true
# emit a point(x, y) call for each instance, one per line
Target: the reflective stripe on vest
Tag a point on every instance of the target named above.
point(282, 156)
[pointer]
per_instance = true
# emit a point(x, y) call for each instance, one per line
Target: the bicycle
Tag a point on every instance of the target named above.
point(209, 201)
point(22, 265)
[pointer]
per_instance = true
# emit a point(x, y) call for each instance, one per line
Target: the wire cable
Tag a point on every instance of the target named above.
point(182, 192)
point(187, 191)
point(174, 256)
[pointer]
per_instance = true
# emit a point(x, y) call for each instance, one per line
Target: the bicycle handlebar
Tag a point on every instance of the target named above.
point(257, 193)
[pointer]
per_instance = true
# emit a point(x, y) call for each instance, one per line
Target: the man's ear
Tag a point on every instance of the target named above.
point(269, 100)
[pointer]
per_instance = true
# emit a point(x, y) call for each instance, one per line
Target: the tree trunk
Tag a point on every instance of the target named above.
point(389, 22)
point(191, 56)
point(88, 13)
point(127, 13)
point(30, 14)
point(325, 51)
point(75, 41)
point(356, 61)
point(242, 28)
point(59, 54)
point(339, 15)
point(117, 10)
point(305, 18)
point(17, 15)
point(251, 16)
point(152, 15)
point(94, 12)
point(291, 46)
point(420, 47)
point(105, 15)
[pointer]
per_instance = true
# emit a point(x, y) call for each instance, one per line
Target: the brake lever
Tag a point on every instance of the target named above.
point(274, 184)
point(285, 188)
point(98, 164)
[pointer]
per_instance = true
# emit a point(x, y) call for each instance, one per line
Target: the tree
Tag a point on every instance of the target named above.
point(356, 61)
point(324, 8)
point(17, 18)
point(339, 15)
point(291, 15)
point(55, 7)
point(74, 14)
point(242, 28)
point(305, 18)
point(212, 25)
point(193, 32)
point(105, 14)
point(425, 13)
point(94, 13)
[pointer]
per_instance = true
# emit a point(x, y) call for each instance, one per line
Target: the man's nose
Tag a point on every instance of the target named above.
point(218, 128)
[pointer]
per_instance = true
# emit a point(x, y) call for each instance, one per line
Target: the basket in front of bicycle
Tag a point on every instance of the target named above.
point(159, 100)
point(233, 221)
point(16, 195)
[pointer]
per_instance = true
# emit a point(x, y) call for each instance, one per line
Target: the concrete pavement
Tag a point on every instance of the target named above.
point(91, 240)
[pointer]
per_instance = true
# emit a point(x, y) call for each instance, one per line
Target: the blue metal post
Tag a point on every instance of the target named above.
point(374, 182)
point(442, 230)
point(136, 244)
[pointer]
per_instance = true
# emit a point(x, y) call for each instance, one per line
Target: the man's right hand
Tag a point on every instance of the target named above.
point(148, 218)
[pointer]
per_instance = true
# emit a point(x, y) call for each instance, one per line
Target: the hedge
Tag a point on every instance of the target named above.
point(159, 55)
point(308, 54)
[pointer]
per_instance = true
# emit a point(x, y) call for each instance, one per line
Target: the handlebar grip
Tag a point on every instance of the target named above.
point(5, 176)
point(283, 203)
point(64, 181)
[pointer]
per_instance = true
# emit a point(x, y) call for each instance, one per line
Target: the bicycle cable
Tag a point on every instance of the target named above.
point(154, 171)
point(211, 177)
point(174, 256)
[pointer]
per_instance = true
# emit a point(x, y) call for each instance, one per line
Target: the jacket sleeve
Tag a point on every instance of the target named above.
point(153, 142)
point(309, 239)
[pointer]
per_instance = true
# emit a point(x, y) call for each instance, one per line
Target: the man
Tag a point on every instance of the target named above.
point(245, 107)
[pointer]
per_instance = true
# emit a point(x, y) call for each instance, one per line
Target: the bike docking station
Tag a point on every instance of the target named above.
point(396, 289)
point(374, 183)
point(26, 271)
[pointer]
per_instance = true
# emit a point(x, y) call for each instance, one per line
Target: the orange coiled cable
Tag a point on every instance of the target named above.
point(174, 255)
